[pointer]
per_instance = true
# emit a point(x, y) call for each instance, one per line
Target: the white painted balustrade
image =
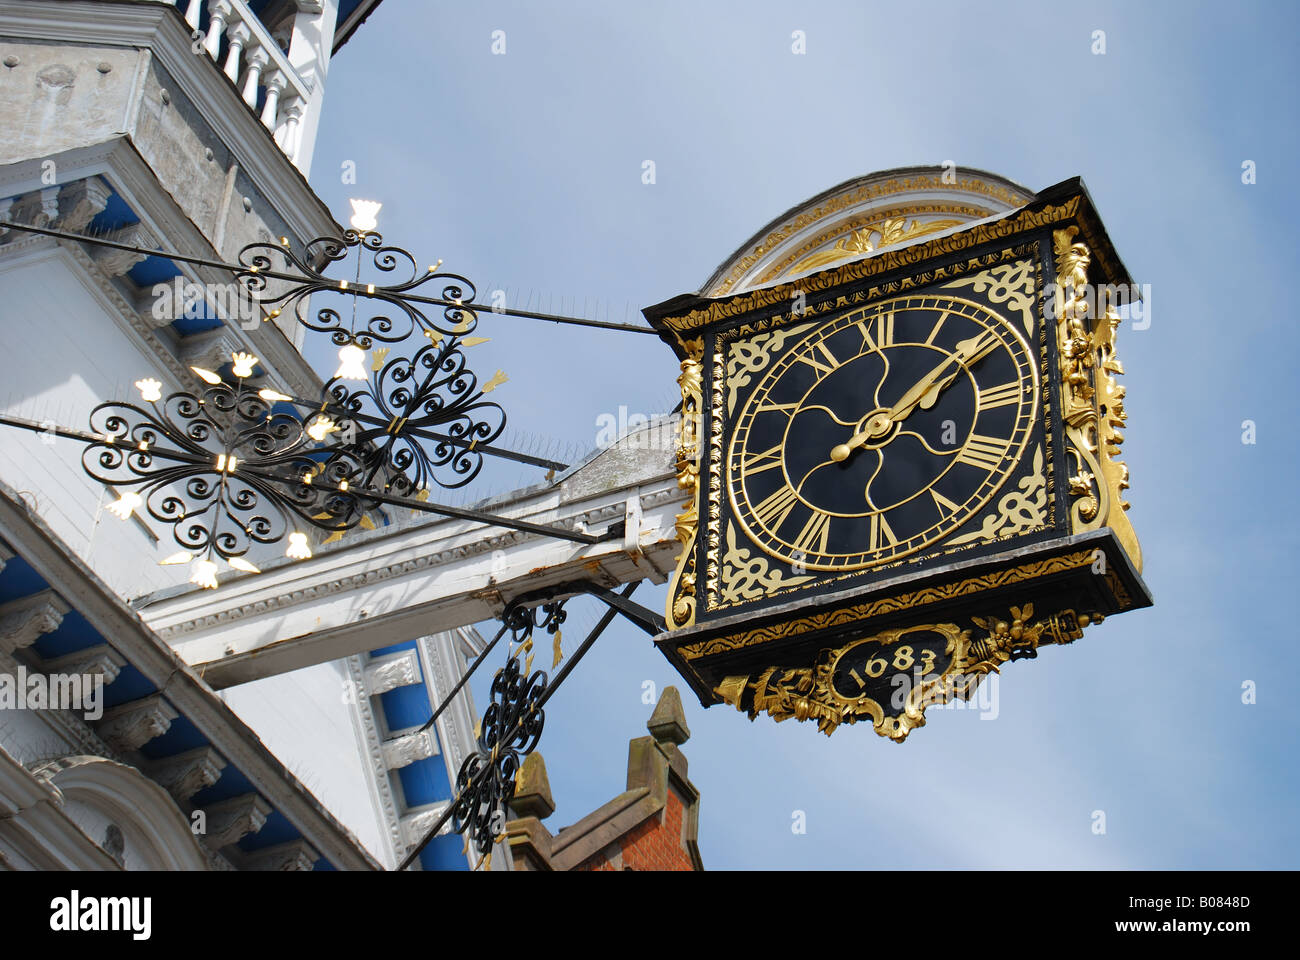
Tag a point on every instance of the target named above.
point(258, 67)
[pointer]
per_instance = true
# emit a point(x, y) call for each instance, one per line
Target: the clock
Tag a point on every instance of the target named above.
point(881, 432)
point(901, 466)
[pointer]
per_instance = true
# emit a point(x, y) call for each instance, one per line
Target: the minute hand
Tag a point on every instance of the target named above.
point(927, 389)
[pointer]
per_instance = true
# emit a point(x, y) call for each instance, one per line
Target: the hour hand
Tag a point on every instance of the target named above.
point(924, 393)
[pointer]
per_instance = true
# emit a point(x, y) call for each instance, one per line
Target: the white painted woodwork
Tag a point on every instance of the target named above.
point(427, 574)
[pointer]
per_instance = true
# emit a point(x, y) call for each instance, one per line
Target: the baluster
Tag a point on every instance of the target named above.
point(238, 34)
point(287, 135)
point(219, 12)
point(254, 61)
point(275, 83)
point(192, 11)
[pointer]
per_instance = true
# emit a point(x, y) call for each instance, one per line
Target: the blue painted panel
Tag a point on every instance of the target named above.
point(152, 270)
point(406, 706)
point(233, 783)
point(18, 579)
point(443, 853)
point(276, 830)
point(130, 685)
point(115, 215)
point(346, 7)
point(182, 735)
point(425, 781)
point(74, 633)
point(188, 326)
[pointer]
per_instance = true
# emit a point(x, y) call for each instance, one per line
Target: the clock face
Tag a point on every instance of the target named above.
point(881, 432)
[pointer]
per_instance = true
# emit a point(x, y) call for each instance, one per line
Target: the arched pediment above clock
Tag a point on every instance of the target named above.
point(863, 216)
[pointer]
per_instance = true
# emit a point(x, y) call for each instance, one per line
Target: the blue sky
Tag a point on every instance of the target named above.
point(523, 171)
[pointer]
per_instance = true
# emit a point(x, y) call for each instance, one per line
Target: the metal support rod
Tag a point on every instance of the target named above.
point(649, 621)
point(365, 493)
point(357, 291)
point(374, 421)
point(464, 679)
point(578, 654)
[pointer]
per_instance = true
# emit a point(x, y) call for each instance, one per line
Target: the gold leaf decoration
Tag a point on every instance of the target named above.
point(1020, 511)
point(746, 577)
point(748, 357)
point(1011, 283)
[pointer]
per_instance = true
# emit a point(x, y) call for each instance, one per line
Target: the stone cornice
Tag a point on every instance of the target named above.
point(161, 28)
point(381, 788)
point(122, 164)
point(213, 719)
point(307, 589)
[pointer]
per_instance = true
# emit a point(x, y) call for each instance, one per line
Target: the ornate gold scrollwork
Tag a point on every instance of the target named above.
point(882, 262)
point(681, 598)
point(811, 693)
point(867, 192)
point(1092, 401)
point(887, 231)
point(1010, 283)
point(746, 577)
point(1020, 511)
point(747, 357)
point(843, 616)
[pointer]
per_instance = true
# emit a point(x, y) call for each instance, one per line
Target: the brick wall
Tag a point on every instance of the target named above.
point(657, 844)
point(650, 826)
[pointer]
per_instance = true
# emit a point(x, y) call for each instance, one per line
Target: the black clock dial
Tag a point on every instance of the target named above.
point(881, 432)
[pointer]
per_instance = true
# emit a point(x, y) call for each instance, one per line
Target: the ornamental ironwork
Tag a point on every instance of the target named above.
point(510, 729)
point(226, 468)
point(230, 467)
point(356, 310)
point(426, 417)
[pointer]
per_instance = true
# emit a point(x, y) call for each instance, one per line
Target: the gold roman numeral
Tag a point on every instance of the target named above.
point(787, 408)
point(816, 531)
point(935, 332)
point(983, 452)
point(999, 396)
point(946, 506)
point(774, 509)
point(885, 328)
point(881, 533)
point(758, 462)
point(821, 368)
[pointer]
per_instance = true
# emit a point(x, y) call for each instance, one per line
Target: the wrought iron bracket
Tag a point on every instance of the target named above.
point(649, 621)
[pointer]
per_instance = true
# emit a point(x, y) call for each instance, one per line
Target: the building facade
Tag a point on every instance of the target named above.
point(186, 127)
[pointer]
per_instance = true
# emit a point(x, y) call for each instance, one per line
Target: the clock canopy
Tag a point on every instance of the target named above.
point(864, 216)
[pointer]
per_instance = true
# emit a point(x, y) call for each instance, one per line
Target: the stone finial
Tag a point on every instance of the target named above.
point(668, 722)
point(533, 789)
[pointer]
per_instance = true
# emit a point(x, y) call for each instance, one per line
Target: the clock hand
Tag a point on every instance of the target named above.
point(923, 393)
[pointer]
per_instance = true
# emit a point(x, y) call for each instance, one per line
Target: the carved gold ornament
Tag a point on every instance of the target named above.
point(681, 598)
point(891, 677)
point(874, 608)
point(1011, 284)
point(863, 194)
point(749, 357)
point(883, 262)
point(883, 233)
point(1021, 511)
point(746, 575)
point(1092, 401)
